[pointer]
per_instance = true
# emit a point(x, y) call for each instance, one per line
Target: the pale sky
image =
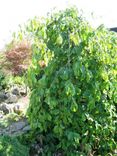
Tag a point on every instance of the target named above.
point(15, 12)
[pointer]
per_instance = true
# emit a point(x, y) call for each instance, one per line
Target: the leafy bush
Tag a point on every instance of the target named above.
point(18, 57)
point(3, 82)
point(10, 146)
point(73, 79)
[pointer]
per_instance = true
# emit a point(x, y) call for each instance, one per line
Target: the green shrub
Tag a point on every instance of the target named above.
point(10, 146)
point(73, 79)
point(3, 82)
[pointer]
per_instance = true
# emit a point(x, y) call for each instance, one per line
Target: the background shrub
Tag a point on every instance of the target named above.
point(73, 79)
point(18, 57)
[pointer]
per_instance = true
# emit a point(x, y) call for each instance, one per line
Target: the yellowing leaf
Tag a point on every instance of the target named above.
point(59, 40)
point(74, 38)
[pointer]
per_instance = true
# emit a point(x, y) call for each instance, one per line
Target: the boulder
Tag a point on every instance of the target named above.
point(15, 91)
point(1, 114)
point(7, 94)
point(3, 97)
point(12, 98)
point(26, 128)
point(6, 108)
point(17, 108)
point(23, 90)
point(18, 126)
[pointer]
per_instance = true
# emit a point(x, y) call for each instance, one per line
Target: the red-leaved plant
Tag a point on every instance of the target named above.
point(19, 57)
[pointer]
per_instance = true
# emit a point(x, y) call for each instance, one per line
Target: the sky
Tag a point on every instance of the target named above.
point(15, 12)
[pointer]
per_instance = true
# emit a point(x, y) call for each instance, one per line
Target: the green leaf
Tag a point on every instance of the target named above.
point(74, 106)
point(69, 89)
point(59, 40)
point(91, 104)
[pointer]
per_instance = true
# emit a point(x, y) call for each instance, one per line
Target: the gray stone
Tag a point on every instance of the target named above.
point(15, 91)
point(18, 126)
point(8, 95)
point(17, 108)
point(27, 128)
point(23, 90)
point(6, 108)
point(1, 114)
point(12, 98)
point(3, 97)
point(18, 133)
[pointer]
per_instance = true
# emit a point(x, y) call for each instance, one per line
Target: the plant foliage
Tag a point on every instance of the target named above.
point(9, 146)
point(73, 78)
point(18, 57)
point(3, 82)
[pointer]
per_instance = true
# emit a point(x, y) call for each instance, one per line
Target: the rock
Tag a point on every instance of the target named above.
point(3, 97)
point(18, 126)
point(27, 128)
point(6, 108)
point(8, 95)
point(17, 133)
point(1, 114)
point(23, 90)
point(15, 91)
point(12, 98)
point(17, 108)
